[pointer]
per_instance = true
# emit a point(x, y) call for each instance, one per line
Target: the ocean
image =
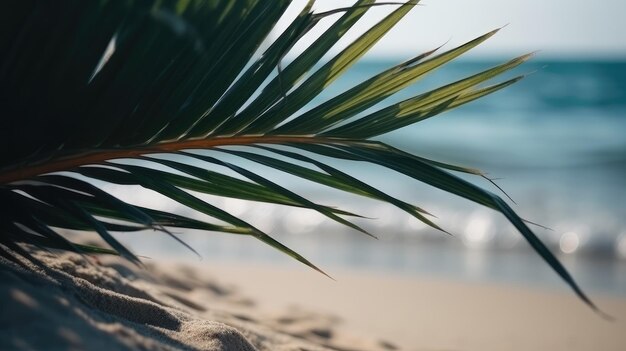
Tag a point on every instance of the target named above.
point(555, 142)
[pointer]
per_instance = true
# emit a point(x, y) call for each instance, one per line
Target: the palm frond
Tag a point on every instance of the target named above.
point(86, 83)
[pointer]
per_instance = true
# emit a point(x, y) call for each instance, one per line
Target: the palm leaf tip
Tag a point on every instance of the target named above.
point(129, 80)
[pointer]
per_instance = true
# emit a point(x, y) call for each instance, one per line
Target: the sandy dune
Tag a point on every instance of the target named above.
point(74, 303)
point(108, 304)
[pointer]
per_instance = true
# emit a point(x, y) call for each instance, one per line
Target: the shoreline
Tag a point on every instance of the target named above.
point(430, 313)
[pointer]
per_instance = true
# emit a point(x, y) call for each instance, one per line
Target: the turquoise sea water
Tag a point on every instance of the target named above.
point(556, 141)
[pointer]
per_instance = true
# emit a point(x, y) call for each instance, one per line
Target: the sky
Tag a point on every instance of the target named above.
point(555, 28)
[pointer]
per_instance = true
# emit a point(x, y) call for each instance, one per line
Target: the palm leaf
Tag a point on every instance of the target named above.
point(85, 84)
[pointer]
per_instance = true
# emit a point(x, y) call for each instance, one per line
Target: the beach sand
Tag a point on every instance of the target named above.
point(85, 303)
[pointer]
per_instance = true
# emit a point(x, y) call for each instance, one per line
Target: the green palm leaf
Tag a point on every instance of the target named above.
point(86, 83)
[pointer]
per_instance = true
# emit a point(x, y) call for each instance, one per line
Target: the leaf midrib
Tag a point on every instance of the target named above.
point(85, 157)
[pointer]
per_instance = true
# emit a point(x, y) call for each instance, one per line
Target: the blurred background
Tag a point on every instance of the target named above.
point(555, 142)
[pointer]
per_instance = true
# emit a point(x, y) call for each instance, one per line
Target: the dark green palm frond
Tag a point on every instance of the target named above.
point(86, 83)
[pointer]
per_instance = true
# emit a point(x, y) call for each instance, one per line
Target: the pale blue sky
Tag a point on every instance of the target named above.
point(556, 28)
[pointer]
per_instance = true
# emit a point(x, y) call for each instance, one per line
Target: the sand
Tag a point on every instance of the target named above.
point(72, 302)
